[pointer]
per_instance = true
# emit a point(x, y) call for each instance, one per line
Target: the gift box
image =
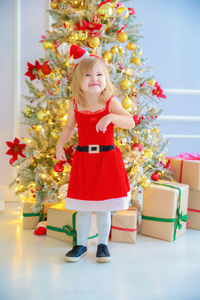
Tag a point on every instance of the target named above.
point(194, 210)
point(187, 170)
point(61, 224)
point(124, 225)
point(164, 213)
point(30, 219)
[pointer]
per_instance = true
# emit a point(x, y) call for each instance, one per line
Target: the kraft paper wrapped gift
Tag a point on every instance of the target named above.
point(30, 219)
point(194, 210)
point(187, 171)
point(164, 213)
point(124, 226)
point(61, 224)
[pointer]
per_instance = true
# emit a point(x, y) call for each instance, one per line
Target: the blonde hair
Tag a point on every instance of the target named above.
point(84, 66)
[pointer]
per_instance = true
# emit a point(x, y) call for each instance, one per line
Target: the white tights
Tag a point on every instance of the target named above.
point(83, 226)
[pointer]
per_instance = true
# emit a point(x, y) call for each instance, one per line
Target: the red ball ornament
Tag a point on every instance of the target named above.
point(136, 119)
point(137, 145)
point(155, 176)
point(59, 167)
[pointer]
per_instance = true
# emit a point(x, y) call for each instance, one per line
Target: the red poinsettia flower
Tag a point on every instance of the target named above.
point(33, 70)
point(15, 149)
point(45, 68)
point(158, 92)
point(90, 26)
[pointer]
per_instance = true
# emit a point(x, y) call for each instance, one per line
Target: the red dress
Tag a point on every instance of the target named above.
point(98, 181)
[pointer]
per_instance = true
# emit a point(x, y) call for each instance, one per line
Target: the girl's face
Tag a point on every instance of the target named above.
point(94, 80)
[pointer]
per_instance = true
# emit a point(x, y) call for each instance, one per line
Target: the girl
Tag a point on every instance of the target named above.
point(98, 179)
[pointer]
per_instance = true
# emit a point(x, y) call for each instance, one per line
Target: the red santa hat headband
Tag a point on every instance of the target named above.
point(79, 54)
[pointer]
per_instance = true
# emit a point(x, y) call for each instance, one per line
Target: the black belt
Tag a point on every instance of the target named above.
point(94, 148)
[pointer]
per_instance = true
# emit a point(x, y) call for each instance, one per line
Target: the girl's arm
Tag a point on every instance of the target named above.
point(118, 116)
point(66, 133)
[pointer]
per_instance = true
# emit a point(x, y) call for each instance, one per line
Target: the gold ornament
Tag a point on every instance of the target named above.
point(76, 3)
point(67, 63)
point(151, 82)
point(47, 45)
point(60, 112)
point(120, 10)
point(114, 49)
point(125, 84)
point(93, 41)
point(126, 102)
point(148, 153)
point(41, 75)
point(128, 72)
point(136, 60)
point(122, 37)
point(54, 5)
point(155, 130)
point(54, 133)
point(105, 11)
point(121, 50)
point(28, 111)
point(107, 56)
point(145, 182)
point(40, 115)
point(130, 46)
point(161, 156)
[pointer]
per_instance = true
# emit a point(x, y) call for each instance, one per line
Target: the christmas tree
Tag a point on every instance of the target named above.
point(108, 29)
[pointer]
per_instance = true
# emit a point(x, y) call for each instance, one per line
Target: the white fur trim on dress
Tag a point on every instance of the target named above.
point(85, 55)
point(101, 205)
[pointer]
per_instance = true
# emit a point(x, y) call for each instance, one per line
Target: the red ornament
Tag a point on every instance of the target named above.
point(136, 119)
point(155, 176)
point(59, 167)
point(138, 146)
point(15, 149)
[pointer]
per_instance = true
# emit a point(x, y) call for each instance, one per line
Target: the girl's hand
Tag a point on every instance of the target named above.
point(60, 153)
point(104, 122)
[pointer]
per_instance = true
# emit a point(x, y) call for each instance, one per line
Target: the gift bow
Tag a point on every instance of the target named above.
point(71, 232)
point(188, 156)
point(180, 217)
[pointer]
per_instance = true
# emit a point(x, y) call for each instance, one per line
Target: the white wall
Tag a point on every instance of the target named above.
point(22, 24)
point(172, 43)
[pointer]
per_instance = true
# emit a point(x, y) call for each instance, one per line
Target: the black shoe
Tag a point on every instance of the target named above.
point(76, 253)
point(103, 254)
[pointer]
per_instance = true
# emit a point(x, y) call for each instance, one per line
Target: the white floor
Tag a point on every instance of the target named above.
point(33, 267)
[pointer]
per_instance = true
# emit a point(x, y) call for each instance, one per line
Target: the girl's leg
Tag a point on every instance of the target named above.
point(104, 223)
point(83, 226)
